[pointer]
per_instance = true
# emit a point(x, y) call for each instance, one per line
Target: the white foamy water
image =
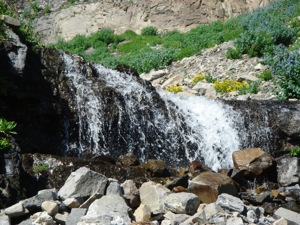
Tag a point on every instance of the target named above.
point(212, 128)
point(177, 130)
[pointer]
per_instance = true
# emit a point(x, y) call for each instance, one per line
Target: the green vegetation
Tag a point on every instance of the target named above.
point(149, 31)
point(6, 128)
point(41, 167)
point(150, 50)
point(295, 151)
point(266, 75)
point(4, 10)
point(256, 34)
point(199, 77)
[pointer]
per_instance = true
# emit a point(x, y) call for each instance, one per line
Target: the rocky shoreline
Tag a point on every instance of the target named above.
point(258, 190)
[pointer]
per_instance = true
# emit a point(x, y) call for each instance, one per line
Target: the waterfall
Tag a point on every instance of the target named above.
point(119, 113)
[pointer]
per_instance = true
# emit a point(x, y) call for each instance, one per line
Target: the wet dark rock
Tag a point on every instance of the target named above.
point(197, 167)
point(10, 175)
point(270, 208)
point(156, 168)
point(280, 118)
point(127, 69)
point(180, 181)
point(292, 205)
point(128, 160)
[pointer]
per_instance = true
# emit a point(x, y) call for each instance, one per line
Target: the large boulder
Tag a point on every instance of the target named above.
point(106, 211)
point(208, 185)
point(152, 195)
point(254, 160)
point(84, 183)
point(181, 203)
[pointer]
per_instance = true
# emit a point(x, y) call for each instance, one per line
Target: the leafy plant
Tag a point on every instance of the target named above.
point(41, 167)
point(7, 127)
point(266, 75)
point(46, 10)
point(295, 151)
point(174, 89)
point(149, 31)
point(286, 69)
point(251, 88)
point(209, 78)
point(233, 53)
point(4, 143)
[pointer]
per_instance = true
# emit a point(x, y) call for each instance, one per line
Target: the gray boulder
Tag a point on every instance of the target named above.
point(16, 210)
point(230, 202)
point(84, 183)
point(34, 203)
point(182, 203)
point(288, 170)
point(152, 194)
point(108, 210)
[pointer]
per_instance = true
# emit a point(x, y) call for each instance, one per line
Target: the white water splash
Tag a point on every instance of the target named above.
point(87, 105)
point(212, 127)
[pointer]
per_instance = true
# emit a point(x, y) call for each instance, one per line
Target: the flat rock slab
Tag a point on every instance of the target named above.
point(293, 218)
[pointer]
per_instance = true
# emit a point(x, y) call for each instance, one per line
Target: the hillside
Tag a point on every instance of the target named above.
point(63, 19)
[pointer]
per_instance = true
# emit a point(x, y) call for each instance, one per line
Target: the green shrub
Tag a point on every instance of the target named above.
point(286, 68)
point(139, 43)
point(249, 88)
point(266, 75)
point(295, 151)
point(146, 60)
point(105, 35)
point(149, 31)
point(128, 35)
point(254, 44)
point(233, 53)
point(209, 78)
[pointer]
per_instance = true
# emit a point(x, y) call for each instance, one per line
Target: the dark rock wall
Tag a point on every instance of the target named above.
point(29, 101)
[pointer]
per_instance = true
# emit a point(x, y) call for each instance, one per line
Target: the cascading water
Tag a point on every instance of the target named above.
point(120, 113)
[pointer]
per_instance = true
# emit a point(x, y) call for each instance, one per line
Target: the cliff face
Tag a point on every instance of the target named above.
point(85, 17)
